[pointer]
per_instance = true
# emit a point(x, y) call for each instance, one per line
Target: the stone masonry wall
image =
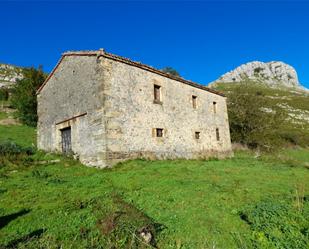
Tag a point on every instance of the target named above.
point(131, 115)
point(74, 89)
point(110, 108)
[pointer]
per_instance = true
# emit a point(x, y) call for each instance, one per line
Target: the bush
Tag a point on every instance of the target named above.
point(295, 136)
point(10, 148)
point(277, 224)
point(252, 122)
point(170, 71)
point(24, 95)
point(11, 154)
point(4, 94)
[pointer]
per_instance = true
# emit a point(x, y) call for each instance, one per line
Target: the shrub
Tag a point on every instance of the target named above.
point(252, 122)
point(295, 136)
point(24, 95)
point(170, 71)
point(10, 148)
point(11, 153)
point(277, 224)
point(4, 94)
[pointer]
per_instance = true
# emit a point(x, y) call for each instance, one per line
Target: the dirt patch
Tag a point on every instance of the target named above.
point(109, 223)
point(9, 121)
point(125, 222)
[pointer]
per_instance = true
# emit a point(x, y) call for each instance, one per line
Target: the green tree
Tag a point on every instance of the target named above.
point(4, 94)
point(24, 95)
point(253, 120)
point(171, 71)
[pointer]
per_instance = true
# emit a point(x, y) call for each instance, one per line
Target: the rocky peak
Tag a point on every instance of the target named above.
point(9, 75)
point(274, 73)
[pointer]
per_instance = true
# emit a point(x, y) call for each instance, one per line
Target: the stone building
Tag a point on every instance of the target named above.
point(105, 108)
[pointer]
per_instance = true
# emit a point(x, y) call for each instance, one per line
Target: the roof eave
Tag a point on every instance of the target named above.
point(100, 53)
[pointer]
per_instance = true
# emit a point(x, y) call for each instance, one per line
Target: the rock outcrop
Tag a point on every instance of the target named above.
point(274, 73)
point(9, 75)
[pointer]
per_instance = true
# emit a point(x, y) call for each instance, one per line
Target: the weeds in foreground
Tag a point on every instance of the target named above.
point(277, 224)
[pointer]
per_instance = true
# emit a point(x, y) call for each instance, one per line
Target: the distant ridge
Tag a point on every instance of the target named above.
point(274, 74)
point(9, 74)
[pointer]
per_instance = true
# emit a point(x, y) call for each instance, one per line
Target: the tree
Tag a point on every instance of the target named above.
point(24, 95)
point(171, 71)
point(4, 94)
point(254, 121)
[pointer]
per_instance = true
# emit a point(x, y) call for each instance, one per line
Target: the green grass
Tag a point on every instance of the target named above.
point(4, 103)
point(3, 115)
point(21, 134)
point(197, 203)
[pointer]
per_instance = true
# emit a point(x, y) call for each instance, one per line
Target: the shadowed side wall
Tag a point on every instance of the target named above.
point(132, 116)
point(73, 98)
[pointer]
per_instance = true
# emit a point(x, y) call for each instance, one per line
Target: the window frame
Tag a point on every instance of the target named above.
point(197, 135)
point(159, 132)
point(217, 134)
point(157, 94)
point(194, 101)
point(214, 106)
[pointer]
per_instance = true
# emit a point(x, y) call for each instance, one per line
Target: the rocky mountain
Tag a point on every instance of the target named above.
point(9, 75)
point(274, 73)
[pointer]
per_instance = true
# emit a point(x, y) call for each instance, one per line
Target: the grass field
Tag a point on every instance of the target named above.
point(20, 134)
point(231, 203)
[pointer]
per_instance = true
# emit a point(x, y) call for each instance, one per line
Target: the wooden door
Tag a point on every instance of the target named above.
point(66, 140)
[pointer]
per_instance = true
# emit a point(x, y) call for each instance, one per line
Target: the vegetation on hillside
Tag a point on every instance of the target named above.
point(267, 118)
point(49, 201)
point(24, 95)
point(4, 94)
point(249, 201)
point(8, 74)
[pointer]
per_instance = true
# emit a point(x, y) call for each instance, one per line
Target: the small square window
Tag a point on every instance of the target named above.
point(157, 93)
point(194, 101)
point(159, 132)
point(217, 134)
point(197, 135)
point(214, 106)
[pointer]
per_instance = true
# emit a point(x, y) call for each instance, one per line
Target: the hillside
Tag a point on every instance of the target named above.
point(280, 92)
point(50, 201)
point(9, 75)
point(294, 104)
point(252, 200)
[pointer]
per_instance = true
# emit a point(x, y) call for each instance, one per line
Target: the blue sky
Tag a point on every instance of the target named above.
point(200, 39)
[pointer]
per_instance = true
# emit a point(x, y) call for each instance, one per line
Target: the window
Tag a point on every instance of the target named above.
point(194, 101)
point(214, 106)
point(157, 94)
point(159, 132)
point(217, 134)
point(197, 135)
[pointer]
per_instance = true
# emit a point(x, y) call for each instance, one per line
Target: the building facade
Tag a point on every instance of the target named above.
point(105, 108)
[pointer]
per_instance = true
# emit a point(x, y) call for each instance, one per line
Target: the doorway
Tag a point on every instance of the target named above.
point(66, 140)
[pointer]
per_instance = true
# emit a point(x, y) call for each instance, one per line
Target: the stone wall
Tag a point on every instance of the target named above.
point(73, 97)
point(110, 108)
point(131, 116)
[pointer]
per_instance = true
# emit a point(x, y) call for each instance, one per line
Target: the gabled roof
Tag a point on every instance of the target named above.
point(102, 53)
